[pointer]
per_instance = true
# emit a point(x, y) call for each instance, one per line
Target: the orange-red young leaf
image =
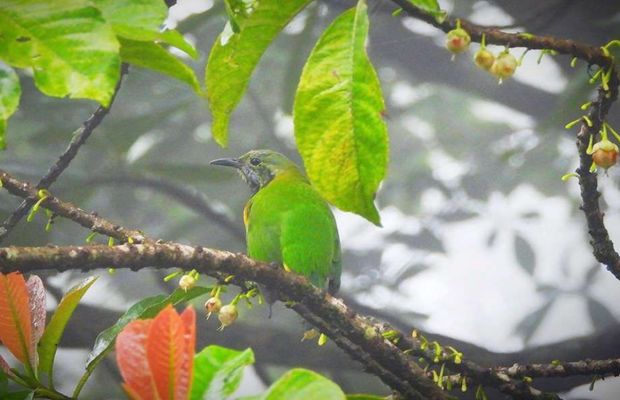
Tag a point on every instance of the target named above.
point(132, 362)
point(36, 303)
point(15, 325)
point(184, 380)
point(156, 356)
point(164, 350)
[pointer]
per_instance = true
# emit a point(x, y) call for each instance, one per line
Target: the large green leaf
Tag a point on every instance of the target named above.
point(141, 20)
point(71, 49)
point(338, 115)
point(54, 330)
point(146, 308)
point(10, 92)
point(218, 372)
point(235, 55)
point(152, 56)
point(302, 384)
point(431, 7)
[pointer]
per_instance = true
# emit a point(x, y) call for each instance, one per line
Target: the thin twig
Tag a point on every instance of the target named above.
point(89, 220)
point(591, 54)
point(186, 195)
point(602, 246)
point(79, 138)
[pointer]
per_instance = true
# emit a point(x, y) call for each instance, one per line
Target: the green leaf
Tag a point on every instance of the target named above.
point(19, 395)
point(10, 92)
point(301, 384)
point(141, 20)
point(431, 7)
point(338, 118)
point(71, 49)
point(218, 372)
point(146, 308)
point(54, 330)
point(153, 56)
point(235, 55)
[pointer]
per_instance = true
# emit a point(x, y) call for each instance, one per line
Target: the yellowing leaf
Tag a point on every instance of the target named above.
point(10, 92)
point(70, 48)
point(338, 117)
point(15, 327)
point(235, 55)
point(141, 20)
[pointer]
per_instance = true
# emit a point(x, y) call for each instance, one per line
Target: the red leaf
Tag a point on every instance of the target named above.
point(132, 361)
point(185, 373)
point(36, 303)
point(15, 327)
point(164, 351)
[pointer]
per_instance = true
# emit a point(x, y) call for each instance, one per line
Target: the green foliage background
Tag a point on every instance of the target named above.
point(449, 162)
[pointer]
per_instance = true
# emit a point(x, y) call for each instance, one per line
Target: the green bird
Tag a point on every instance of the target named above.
point(286, 219)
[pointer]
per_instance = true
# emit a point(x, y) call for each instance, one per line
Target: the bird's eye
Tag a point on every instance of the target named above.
point(255, 161)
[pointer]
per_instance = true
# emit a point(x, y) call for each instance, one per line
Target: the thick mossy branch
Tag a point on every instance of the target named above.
point(390, 364)
point(593, 55)
point(556, 369)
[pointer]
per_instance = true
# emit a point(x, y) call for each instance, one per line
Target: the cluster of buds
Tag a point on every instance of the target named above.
point(502, 66)
point(227, 314)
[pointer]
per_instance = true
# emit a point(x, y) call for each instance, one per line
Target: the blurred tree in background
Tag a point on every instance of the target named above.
point(483, 246)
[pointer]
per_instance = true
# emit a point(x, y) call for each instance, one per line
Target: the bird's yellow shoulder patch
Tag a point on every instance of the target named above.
point(286, 267)
point(246, 212)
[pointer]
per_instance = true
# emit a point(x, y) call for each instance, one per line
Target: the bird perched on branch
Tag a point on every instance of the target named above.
point(286, 219)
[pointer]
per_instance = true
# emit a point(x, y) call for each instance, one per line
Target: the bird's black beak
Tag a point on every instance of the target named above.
point(228, 162)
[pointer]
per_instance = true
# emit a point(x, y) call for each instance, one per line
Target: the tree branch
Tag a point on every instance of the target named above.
point(405, 344)
point(349, 330)
point(563, 369)
point(186, 195)
point(79, 138)
point(591, 54)
point(602, 246)
point(67, 210)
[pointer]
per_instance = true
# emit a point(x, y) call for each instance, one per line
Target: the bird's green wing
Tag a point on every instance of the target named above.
point(336, 270)
point(309, 242)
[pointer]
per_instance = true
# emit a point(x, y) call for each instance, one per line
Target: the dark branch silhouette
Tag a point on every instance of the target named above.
point(79, 138)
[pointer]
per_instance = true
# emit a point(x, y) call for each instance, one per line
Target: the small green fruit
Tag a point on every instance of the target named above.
point(605, 154)
point(228, 314)
point(504, 66)
point(484, 59)
point(457, 40)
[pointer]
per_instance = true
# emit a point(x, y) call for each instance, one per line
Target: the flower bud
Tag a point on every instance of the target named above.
point(213, 305)
point(457, 40)
point(227, 315)
point(187, 282)
point(504, 66)
point(605, 154)
point(484, 59)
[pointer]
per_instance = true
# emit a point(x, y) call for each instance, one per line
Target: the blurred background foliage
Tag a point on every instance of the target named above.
point(482, 242)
